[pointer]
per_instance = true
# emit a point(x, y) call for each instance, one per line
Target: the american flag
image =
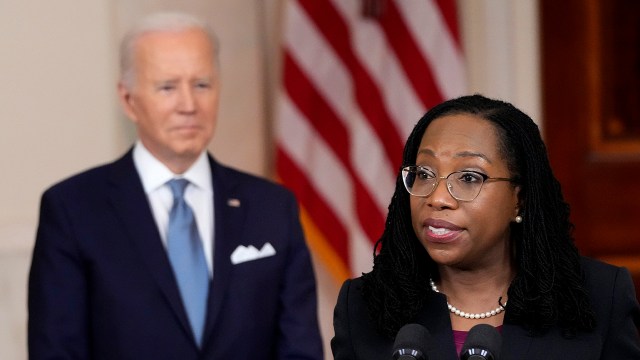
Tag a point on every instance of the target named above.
point(357, 75)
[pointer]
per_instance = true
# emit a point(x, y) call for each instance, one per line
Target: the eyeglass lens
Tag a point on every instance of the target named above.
point(462, 185)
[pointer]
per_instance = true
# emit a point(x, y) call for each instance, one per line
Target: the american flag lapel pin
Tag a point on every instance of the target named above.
point(233, 202)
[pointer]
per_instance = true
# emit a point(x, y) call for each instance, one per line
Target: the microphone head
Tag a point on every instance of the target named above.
point(483, 343)
point(411, 343)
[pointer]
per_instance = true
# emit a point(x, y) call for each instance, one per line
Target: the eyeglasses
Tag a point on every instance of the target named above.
point(462, 185)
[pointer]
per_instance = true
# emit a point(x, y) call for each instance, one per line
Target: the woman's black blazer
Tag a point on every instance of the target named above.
point(615, 337)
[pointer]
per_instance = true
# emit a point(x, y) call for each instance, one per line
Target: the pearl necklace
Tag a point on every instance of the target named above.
point(467, 315)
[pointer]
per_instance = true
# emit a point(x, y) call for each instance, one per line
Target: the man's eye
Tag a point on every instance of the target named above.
point(166, 88)
point(202, 85)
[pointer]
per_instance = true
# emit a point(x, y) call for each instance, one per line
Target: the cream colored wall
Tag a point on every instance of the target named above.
point(57, 114)
point(500, 39)
point(60, 115)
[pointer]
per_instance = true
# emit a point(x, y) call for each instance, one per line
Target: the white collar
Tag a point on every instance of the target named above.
point(154, 174)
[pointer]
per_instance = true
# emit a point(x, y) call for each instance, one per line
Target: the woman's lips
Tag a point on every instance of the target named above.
point(440, 231)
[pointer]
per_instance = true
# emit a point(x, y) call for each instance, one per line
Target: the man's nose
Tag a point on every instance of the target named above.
point(187, 101)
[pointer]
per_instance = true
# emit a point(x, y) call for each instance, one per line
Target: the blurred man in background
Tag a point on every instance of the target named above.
point(165, 253)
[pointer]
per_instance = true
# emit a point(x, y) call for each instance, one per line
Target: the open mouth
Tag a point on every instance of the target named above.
point(439, 231)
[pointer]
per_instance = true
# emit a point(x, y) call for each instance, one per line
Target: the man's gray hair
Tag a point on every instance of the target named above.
point(158, 22)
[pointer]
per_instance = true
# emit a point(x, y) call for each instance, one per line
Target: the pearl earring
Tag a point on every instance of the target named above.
point(518, 219)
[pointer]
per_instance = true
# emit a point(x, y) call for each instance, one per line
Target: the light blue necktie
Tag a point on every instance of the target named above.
point(187, 258)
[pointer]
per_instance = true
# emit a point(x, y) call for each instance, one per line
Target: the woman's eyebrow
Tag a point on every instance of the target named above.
point(462, 154)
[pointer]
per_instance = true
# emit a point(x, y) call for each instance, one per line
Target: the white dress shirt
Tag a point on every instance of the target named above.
point(198, 194)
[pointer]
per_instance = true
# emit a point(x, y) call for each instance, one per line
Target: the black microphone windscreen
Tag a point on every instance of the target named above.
point(483, 343)
point(411, 343)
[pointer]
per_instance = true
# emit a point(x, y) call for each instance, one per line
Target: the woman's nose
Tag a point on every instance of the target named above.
point(441, 197)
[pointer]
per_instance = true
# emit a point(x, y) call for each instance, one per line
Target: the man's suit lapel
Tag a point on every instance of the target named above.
point(131, 205)
point(229, 213)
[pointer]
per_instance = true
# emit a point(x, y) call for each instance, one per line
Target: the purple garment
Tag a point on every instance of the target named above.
point(460, 336)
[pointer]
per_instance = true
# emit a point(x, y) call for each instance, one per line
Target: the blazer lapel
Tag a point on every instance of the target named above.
point(132, 207)
point(435, 317)
point(229, 216)
point(516, 342)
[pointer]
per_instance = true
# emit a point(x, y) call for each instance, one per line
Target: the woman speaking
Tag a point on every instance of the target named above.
point(478, 232)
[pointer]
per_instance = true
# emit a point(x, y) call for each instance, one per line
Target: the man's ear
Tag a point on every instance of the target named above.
point(127, 101)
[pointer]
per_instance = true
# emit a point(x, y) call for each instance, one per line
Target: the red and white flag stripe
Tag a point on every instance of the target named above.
point(354, 84)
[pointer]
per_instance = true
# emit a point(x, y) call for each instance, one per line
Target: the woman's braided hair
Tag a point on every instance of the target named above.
point(548, 287)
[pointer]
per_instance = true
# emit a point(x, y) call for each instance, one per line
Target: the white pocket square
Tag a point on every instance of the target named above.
point(247, 253)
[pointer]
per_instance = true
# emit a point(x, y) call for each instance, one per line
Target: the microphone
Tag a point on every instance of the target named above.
point(483, 343)
point(411, 343)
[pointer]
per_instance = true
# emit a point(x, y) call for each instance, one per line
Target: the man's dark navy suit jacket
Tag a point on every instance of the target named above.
point(101, 285)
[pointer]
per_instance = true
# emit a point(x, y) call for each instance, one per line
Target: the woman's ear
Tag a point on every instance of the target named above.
point(519, 200)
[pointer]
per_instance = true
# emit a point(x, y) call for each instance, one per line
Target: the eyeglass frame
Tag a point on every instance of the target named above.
point(484, 177)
